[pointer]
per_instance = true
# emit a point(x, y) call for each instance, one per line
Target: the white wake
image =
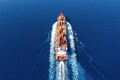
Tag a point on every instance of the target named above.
point(78, 72)
point(61, 71)
point(52, 53)
point(58, 70)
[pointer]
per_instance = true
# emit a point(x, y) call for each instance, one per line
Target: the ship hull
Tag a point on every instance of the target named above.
point(61, 39)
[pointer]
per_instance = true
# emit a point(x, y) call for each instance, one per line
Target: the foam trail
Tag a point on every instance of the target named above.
point(61, 71)
point(58, 69)
point(73, 61)
point(52, 67)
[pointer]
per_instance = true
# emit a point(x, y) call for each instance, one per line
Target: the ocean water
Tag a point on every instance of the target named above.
point(26, 24)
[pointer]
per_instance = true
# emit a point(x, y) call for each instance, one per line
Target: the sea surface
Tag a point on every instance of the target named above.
point(25, 27)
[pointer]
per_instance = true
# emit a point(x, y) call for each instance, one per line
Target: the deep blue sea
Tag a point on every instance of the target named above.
point(26, 24)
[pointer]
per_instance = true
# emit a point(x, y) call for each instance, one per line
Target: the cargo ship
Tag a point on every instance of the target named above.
point(61, 39)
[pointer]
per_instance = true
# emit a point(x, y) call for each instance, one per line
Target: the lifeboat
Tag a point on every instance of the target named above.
point(61, 40)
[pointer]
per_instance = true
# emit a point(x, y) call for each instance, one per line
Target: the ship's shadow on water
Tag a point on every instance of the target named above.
point(87, 61)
